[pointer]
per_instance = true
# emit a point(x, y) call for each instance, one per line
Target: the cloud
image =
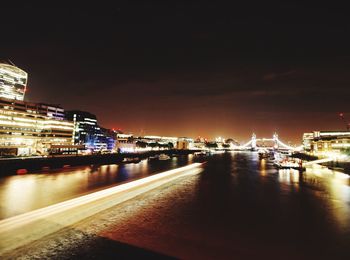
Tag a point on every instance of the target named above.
point(274, 76)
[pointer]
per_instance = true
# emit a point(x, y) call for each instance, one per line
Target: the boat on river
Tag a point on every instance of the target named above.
point(263, 154)
point(131, 160)
point(164, 157)
point(160, 157)
point(290, 163)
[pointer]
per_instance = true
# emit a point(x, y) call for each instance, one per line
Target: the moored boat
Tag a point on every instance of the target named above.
point(290, 163)
point(163, 157)
point(131, 160)
point(263, 154)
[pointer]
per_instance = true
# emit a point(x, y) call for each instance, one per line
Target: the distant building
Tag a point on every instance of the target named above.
point(308, 138)
point(161, 139)
point(13, 82)
point(110, 137)
point(199, 145)
point(125, 143)
point(86, 130)
point(325, 142)
point(124, 138)
point(184, 143)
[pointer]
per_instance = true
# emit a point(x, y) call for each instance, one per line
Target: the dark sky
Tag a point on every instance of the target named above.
point(207, 68)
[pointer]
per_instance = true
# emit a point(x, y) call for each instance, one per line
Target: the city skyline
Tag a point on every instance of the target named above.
point(175, 130)
point(189, 69)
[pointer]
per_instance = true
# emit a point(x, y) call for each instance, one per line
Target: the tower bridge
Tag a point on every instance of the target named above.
point(275, 141)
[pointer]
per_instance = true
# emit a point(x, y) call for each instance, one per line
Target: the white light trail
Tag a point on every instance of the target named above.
point(66, 205)
point(328, 159)
point(25, 228)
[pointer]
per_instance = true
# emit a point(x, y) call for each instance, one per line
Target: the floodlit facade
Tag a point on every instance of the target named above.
point(54, 111)
point(13, 82)
point(184, 143)
point(326, 142)
point(29, 129)
point(161, 139)
point(307, 141)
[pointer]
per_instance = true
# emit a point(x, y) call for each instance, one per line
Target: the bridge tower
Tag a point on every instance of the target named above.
point(275, 140)
point(254, 141)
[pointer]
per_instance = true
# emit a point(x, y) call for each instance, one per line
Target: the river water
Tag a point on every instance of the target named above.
point(23, 193)
point(238, 206)
point(304, 212)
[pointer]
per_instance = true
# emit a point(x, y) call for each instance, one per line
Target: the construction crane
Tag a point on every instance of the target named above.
point(347, 124)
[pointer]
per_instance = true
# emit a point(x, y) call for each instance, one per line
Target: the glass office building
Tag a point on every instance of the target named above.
point(87, 132)
point(13, 82)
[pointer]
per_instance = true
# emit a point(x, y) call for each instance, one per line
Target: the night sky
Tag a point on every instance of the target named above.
point(188, 69)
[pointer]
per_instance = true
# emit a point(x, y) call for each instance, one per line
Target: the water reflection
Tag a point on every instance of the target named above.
point(234, 188)
point(22, 193)
point(332, 188)
point(241, 198)
point(288, 176)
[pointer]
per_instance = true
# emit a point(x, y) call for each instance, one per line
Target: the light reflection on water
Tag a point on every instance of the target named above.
point(332, 187)
point(326, 192)
point(289, 176)
point(336, 192)
point(22, 193)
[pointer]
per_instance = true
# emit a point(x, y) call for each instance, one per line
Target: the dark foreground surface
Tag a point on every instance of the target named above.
point(237, 208)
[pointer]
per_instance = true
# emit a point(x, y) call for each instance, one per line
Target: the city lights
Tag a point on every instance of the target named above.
point(13, 82)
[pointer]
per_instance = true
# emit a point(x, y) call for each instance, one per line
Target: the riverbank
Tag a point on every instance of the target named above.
point(341, 166)
point(23, 165)
point(304, 156)
point(338, 166)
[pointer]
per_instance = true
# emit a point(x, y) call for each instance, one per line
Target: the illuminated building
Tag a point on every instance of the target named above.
point(198, 145)
point(325, 142)
point(129, 143)
point(87, 132)
point(184, 143)
point(110, 137)
point(307, 141)
point(54, 111)
point(161, 139)
point(31, 129)
point(13, 82)
point(125, 143)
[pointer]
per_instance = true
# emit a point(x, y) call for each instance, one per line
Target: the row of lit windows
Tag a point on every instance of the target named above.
point(38, 135)
point(43, 120)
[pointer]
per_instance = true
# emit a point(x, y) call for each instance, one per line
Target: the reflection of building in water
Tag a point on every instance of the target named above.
point(324, 142)
point(290, 177)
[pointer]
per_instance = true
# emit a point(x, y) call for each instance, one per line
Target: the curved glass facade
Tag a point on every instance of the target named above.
point(13, 82)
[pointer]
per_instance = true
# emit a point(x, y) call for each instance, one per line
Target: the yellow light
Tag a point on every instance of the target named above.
point(35, 215)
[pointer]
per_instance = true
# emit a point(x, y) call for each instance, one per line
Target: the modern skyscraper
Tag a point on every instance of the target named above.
point(13, 82)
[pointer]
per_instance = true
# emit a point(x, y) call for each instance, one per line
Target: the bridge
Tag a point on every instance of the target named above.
point(277, 144)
